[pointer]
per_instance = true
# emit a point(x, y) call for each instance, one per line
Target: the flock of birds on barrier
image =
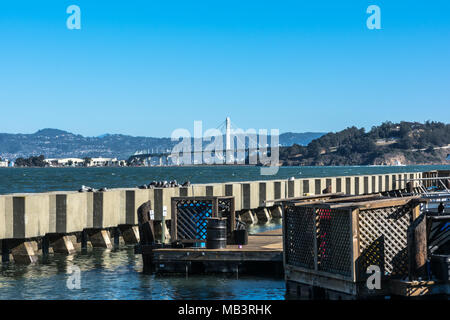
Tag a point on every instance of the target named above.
point(164, 184)
point(151, 185)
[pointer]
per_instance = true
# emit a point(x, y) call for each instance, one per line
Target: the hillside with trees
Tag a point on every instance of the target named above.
point(387, 144)
point(54, 143)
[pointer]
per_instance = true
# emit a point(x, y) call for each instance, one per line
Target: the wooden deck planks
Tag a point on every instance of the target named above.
point(266, 246)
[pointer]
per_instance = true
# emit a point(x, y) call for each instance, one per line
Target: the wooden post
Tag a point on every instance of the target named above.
point(5, 251)
point(116, 237)
point(233, 215)
point(45, 245)
point(316, 258)
point(354, 227)
point(417, 246)
point(84, 239)
point(163, 225)
point(173, 221)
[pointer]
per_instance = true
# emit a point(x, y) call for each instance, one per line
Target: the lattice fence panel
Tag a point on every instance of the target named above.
point(191, 219)
point(334, 246)
point(383, 240)
point(299, 236)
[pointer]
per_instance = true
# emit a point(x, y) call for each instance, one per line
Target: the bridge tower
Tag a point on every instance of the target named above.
point(228, 134)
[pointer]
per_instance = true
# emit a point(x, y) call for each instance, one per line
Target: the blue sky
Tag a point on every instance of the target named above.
point(149, 67)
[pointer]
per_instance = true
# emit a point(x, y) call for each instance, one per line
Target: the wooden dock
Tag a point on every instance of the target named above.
point(262, 254)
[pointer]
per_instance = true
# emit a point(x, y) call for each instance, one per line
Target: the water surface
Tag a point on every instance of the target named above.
point(18, 180)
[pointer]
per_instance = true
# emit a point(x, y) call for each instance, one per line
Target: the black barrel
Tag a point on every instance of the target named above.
point(240, 237)
point(216, 233)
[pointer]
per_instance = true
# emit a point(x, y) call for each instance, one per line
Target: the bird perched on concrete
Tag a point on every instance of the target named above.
point(186, 184)
point(84, 189)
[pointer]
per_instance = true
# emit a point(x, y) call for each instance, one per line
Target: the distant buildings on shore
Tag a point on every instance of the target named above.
point(4, 163)
point(63, 162)
point(86, 162)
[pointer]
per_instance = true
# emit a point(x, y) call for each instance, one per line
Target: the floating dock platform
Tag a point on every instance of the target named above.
point(262, 254)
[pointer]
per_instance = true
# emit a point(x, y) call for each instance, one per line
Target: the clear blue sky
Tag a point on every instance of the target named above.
point(148, 67)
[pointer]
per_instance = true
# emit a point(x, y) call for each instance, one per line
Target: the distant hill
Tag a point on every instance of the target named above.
point(387, 144)
point(302, 139)
point(55, 143)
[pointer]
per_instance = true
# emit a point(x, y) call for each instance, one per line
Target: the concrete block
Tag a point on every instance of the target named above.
point(340, 184)
point(23, 253)
point(279, 189)
point(215, 190)
point(235, 190)
point(388, 178)
point(306, 187)
point(100, 238)
point(62, 244)
point(26, 215)
point(134, 198)
point(199, 190)
point(367, 184)
point(349, 185)
point(374, 184)
point(186, 192)
point(291, 188)
point(248, 217)
point(270, 190)
point(262, 194)
point(319, 185)
point(263, 215)
point(330, 183)
point(276, 212)
point(415, 184)
point(250, 195)
point(396, 181)
point(163, 197)
point(294, 188)
point(404, 177)
point(381, 184)
point(67, 212)
point(359, 185)
point(130, 234)
point(105, 208)
point(2, 217)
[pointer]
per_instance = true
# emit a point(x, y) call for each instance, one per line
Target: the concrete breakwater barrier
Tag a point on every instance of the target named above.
point(66, 221)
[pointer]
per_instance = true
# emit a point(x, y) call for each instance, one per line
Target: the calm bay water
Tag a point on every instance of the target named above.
point(117, 274)
point(18, 180)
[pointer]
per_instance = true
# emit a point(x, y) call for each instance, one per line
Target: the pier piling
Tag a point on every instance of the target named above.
point(100, 238)
point(130, 234)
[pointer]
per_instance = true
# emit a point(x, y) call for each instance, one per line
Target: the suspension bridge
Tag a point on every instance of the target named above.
point(232, 145)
